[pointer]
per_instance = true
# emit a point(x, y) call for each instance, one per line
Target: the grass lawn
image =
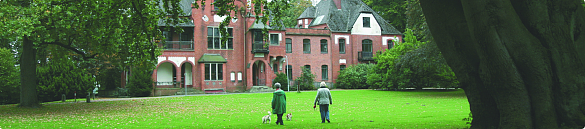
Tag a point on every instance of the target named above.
point(350, 109)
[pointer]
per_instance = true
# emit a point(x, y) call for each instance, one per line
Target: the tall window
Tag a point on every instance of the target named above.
point(233, 77)
point(258, 36)
point(274, 39)
point(214, 39)
point(306, 46)
point(324, 72)
point(341, 67)
point(275, 68)
point(289, 72)
point(342, 46)
point(308, 67)
point(323, 45)
point(367, 45)
point(288, 45)
point(213, 72)
point(390, 44)
point(366, 21)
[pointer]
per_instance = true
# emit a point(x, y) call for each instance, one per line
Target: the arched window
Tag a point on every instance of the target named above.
point(288, 45)
point(367, 45)
point(390, 44)
point(342, 46)
point(306, 46)
point(323, 45)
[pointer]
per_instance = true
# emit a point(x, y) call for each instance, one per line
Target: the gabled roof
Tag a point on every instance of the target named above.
point(211, 58)
point(308, 13)
point(342, 20)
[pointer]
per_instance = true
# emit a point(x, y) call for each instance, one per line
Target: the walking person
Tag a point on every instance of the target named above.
point(278, 103)
point(324, 100)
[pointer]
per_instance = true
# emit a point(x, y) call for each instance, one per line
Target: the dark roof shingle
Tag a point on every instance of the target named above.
point(342, 20)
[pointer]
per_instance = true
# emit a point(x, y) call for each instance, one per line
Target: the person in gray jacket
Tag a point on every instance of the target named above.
point(324, 100)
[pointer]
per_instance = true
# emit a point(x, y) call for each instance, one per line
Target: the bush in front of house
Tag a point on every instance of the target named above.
point(140, 83)
point(9, 76)
point(63, 76)
point(305, 81)
point(354, 77)
point(281, 78)
point(109, 78)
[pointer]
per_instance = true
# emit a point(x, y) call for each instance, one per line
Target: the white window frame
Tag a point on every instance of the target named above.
point(216, 71)
point(239, 76)
point(219, 36)
point(233, 76)
point(279, 38)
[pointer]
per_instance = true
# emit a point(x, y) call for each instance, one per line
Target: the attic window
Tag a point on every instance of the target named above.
point(318, 19)
point(366, 21)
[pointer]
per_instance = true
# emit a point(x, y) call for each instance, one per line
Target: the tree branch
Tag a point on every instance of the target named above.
point(83, 55)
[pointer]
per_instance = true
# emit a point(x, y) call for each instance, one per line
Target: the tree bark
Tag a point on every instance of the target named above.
point(28, 76)
point(517, 61)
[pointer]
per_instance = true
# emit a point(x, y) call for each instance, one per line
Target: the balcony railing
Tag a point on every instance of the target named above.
point(174, 84)
point(178, 45)
point(259, 47)
point(365, 56)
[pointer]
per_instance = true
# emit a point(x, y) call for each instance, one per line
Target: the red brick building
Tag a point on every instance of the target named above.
point(329, 37)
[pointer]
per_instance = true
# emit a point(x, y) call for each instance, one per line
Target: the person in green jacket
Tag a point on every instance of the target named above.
point(278, 103)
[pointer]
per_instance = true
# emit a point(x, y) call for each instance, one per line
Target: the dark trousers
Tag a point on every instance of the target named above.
point(279, 119)
point(324, 110)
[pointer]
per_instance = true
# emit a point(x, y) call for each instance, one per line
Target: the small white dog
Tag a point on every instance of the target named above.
point(266, 119)
point(289, 116)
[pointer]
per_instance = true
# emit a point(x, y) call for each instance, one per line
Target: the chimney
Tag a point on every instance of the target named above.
point(337, 3)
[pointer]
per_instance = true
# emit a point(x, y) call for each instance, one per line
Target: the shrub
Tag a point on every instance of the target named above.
point(9, 76)
point(281, 78)
point(354, 77)
point(109, 78)
point(140, 83)
point(305, 81)
point(63, 76)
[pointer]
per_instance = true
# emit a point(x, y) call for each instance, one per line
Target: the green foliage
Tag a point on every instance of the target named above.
point(385, 74)
point(119, 31)
point(426, 67)
point(140, 83)
point(63, 76)
point(305, 81)
point(9, 73)
point(354, 77)
point(411, 64)
point(297, 7)
point(416, 21)
point(109, 78)
point(281, 78)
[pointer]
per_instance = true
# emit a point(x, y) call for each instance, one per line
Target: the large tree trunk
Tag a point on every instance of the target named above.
point(28, 76)
point(518, 62)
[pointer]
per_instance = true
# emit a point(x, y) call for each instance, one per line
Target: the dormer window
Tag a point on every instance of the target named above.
point(366, 21)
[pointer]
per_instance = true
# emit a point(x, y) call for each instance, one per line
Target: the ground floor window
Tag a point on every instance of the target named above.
point(213, 71)
point(324, 72)
point(289, 72)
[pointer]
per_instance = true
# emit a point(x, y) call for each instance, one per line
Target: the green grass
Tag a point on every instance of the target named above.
point(350, 109)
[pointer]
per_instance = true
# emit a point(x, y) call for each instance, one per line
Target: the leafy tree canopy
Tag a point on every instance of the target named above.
point(119, 30)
